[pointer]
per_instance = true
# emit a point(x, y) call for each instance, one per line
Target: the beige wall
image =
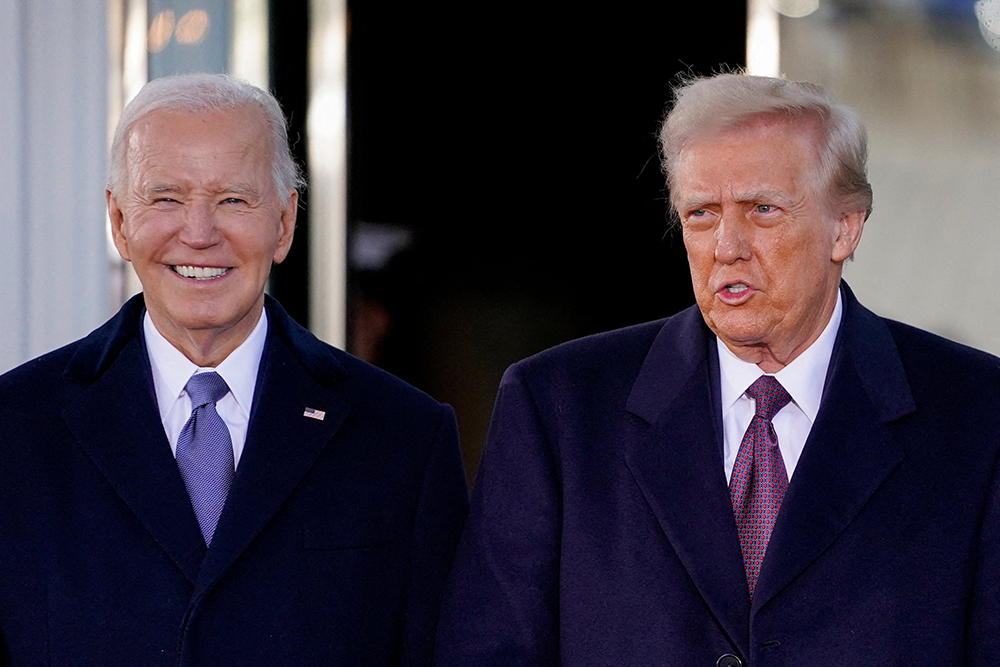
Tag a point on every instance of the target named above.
point(929, 91)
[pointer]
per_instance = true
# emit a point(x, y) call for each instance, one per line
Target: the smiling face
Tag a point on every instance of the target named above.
point(764, 242)
point(201, 223)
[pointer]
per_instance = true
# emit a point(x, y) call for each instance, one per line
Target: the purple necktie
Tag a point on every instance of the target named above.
point(759, 479)
point(205, 451)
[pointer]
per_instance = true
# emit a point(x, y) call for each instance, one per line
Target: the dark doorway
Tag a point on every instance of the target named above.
point(502, 164)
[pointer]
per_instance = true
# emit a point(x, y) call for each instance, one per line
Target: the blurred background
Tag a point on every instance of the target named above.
point(483, 177)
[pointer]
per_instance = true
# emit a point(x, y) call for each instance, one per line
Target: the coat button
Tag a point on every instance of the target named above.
point(728, 660)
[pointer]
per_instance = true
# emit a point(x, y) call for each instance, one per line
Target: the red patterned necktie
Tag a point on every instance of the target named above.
point(759, 479)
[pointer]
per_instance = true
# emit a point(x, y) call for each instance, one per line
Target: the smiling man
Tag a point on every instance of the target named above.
point(201, 481)
point(776, 476)
point(201, 219)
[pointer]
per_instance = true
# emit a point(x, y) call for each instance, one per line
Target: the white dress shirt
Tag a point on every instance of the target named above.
point(172, 370)
point(803, 379)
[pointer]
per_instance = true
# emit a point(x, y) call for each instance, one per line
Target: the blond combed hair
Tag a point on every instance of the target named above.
point(706, 106)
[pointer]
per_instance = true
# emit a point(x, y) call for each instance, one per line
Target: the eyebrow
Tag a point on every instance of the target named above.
point(160, 188)
point(241, 189)
point(764, 195)
point(699, 201)
point(695, 203)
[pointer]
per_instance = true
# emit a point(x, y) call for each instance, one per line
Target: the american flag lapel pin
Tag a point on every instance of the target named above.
point(313, 413)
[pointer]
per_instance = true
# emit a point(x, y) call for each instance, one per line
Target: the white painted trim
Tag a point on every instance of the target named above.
point(327, 127)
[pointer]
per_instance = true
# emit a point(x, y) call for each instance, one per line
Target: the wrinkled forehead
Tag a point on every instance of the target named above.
point(235, 138)
point(806, 129)
point(805, 133)
point(243, 126)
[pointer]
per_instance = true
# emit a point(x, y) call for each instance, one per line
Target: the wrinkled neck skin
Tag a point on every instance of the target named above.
point(208, 347)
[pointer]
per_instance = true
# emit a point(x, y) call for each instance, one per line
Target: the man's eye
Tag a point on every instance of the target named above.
point(698, 219)
point(765, 208)
point(697, 215)
point(233, 200)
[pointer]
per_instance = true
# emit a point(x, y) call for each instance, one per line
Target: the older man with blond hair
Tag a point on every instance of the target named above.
point(201, 481)
point(776, 476)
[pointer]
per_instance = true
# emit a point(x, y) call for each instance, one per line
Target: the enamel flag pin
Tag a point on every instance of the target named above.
point(313, 413)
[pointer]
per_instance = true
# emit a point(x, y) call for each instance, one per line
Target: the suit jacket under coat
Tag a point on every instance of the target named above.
point(602, 533)
point(333, 546)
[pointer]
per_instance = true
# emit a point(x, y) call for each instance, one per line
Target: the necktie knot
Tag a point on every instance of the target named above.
point(205, 388)
point(769, 396)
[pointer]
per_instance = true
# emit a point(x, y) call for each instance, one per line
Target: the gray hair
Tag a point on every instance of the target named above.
point(706, 106)
point(203, 92)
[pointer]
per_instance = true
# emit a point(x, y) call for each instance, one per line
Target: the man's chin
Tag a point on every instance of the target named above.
point(204, 319)
point(737, 328)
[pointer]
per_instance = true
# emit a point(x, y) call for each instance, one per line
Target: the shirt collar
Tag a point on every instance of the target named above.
point(803, 379)
point(172, 370)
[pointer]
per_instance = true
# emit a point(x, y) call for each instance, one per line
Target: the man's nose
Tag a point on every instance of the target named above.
point(731, 238)
point(200, 226)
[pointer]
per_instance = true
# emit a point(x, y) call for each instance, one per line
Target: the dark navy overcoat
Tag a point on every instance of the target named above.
point(332, 549)
point(602, 533)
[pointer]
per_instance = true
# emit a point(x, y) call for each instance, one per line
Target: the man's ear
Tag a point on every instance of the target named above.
point(117, 223)
point(849, 228)
point(287, 227)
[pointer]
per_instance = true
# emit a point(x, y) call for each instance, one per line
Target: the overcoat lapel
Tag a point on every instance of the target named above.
point(679, 468)
point(849, 452)
point(282, 443)
point(116, 421)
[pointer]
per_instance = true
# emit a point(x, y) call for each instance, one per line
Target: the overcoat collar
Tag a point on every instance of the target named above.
point(679, 464)
point(101, 347)
point(297, 372)
point(849, 452)
point(115, 419)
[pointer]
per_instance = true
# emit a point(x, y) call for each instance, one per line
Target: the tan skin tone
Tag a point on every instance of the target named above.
point(765, 242)
point(200, 199)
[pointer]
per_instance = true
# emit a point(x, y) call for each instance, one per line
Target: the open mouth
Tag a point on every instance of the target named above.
point(199, 272)
point(735, 293)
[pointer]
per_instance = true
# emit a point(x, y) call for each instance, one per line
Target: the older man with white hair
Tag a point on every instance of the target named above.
point(201, 481)
point(776, 476)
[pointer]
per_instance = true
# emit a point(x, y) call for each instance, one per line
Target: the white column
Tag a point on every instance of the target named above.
point(53, 101)
point(327, 127)
point(762, 39)
point(13, 285)
point(248, 42)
